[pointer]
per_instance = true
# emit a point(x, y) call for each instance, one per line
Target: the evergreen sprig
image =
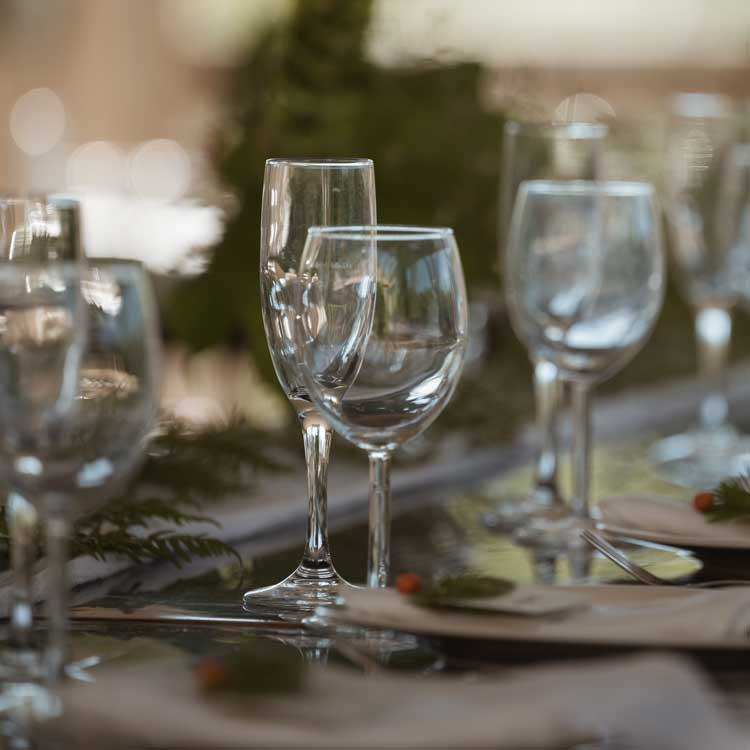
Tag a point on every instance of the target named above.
point(163, 545)
point(447, 591)
point(731, 500)
point(185, 469)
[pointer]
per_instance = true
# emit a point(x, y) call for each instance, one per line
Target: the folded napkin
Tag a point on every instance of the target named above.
point(671, 520)
point(628, 615)
point(655, 702)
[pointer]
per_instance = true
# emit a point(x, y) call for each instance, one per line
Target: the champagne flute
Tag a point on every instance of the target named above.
point(551, 151)
point(385, 321)
point(585, 282)
point(298, 194)
point(36, 229)
point(702, 131)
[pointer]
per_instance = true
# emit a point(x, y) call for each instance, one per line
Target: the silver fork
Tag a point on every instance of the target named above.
point(640, 573)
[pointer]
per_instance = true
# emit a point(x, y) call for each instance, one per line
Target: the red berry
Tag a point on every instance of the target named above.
point(703, 502)
point(408, 583)
point(211, 673)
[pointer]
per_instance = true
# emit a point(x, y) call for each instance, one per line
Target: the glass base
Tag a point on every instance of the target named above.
point(553, 534)
point(298, 595)
point(27, 703)
point(360, 643)
point(21, 665)
point(516, 511)
point(700, 459)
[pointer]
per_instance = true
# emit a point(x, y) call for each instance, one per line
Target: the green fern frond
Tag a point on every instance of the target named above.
point(731, 500)
point(185, 469)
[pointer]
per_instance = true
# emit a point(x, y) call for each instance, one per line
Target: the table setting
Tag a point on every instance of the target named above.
point(483, 598)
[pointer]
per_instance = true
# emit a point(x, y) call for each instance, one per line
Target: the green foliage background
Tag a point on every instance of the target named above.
point(307, 89)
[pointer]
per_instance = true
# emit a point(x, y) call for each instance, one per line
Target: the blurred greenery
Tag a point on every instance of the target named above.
point(307, 89)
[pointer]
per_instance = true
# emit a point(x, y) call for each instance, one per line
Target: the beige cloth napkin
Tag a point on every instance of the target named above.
point(639, 615)
point(659, 516)
point(655, 702)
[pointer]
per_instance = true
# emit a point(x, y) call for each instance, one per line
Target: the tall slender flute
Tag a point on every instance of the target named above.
point(298, 194)
point(701, 205)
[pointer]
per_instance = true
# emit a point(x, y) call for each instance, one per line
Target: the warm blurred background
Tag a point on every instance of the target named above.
point(160, 114)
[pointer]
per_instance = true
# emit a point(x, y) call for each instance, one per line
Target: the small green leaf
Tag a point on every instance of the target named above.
point(731, 500)
point(464, 586)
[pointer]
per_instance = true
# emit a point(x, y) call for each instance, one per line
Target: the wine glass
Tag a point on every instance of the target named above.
point(702, 131)
point(383, 352)
point(36, 229)
point(298, 194)
point(584, 278)
point(42, 337)
point(551, 151)
point(117, 404)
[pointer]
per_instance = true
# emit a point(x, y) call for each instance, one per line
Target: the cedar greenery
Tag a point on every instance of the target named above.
point(185, 469)
point(731, 500)
point(446, 590)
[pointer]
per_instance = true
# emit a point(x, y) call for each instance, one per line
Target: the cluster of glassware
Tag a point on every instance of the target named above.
point(584, 280)
point(367, 328)
point(79, 391)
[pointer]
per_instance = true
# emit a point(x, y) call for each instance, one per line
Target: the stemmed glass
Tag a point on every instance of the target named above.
point(117, 404)
point(381, 362)
point(42, 338)
point(550, 151)
point(37, 229)
point(298, 194)
point(702, 131)
point(585, 282)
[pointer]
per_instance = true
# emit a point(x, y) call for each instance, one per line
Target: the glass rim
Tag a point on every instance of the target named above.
point(557, 129)
point(615, 188)
point(311, 163)
point(382, 232)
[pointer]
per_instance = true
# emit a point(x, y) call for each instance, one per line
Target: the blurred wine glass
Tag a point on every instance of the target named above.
point(536, 151)
point(298, 194)
point(33, 230)
point(584, 277)
point(385, 321)
point(700, 204)
point(42, 337)
point(117, 402)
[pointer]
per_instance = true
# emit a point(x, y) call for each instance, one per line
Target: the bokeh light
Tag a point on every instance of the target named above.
point(160, 169)
point(98, 164)
point(37, 121)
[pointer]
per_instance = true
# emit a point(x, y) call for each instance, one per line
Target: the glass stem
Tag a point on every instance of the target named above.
point(57, 532)
point(379, 546)
point(713, 333)
point(22, 520)
point(581, 449)
point(317, 436)
point(547, 388)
